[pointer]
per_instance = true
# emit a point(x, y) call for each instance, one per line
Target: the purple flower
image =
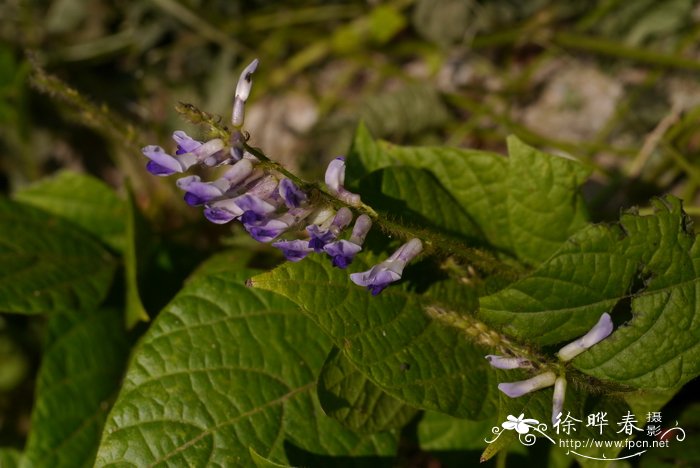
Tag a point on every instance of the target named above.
point(380, 276)
point(291, 194)
point(320, 236)
point(294, 250)
point(342, 252)
point(185, 143)
point(270, 229)
point(599, 332)
point(163, 164)
point(516, 389)
point(198, 192)
point(218, 215)
point(335, 179)
point(267, 230)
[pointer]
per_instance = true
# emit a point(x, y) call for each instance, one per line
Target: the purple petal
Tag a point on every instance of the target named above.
point(319, 237)
point(268, 231)
point(335, 175)
point(248, 202)
point(294, 250)
point(363, 224)
point(375, 279)
point(218, 215)
point(185, 144)
point(162, 159)
point(342, 252)
point(291, 194)
point(158, 170)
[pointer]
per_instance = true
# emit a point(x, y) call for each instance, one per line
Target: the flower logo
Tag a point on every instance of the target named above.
point(521, 425)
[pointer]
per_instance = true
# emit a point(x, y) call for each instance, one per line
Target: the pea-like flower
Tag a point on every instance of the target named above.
point(343, 251)
point(390, 270)
point(598, 333)
point(335, 181)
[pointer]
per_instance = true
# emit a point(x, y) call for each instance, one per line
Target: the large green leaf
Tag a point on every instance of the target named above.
point(527, 204)
point(348, 396)
point(47, 265)
point(223, 369)
point(602, 266)
point(83, 200)
point(80, 373)
point(390, 338)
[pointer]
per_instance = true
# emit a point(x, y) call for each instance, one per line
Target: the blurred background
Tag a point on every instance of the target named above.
point(84, 84)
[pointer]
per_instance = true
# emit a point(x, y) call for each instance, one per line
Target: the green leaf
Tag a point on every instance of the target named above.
point(652, 260)
point(527, 204)
point(222, 370)
point(348, 396)
point(47, 265)
point(79, 377)
point(390, 338)
point(262, 462)
point(416, 196)
point(10, 457)
point(83, 200)
point(437, 431)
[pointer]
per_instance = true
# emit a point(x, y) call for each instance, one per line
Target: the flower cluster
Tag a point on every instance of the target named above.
point(599, 332)
point(270, 205)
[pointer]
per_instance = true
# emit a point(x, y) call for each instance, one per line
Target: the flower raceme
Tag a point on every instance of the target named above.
point(601, 330)
point(271, 206)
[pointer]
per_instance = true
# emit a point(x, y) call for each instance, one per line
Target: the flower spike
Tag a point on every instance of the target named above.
point(268, 204)
point(598, 333)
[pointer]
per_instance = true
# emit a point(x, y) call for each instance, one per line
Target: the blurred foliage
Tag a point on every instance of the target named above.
point(85, 83)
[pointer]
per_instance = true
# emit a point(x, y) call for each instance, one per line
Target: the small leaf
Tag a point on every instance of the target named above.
point(48, 265)
point(348, 396)
point(78, 380)
point(225, 369)
point(83, 200)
